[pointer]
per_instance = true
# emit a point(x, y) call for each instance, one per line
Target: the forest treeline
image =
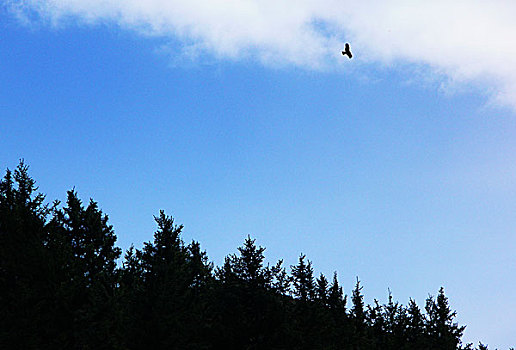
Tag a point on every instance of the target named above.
point(61, 288)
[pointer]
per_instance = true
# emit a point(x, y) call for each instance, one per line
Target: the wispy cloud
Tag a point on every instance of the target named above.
point(466, 42)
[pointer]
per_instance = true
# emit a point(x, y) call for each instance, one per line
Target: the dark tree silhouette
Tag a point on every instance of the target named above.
point(25, 303)
point(61, 289)
point(83, 247)
point(303, 280)
point(164, 284)
point(445, 333)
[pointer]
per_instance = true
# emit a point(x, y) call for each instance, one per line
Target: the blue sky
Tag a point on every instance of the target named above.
point(398, 170)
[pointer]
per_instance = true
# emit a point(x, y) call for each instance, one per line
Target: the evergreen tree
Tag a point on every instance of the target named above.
point(303, 280)
point(376, 337)
point(442, 331)
point(170, 278)
point(395, 317)
point(358, 314)
point(336, 298)
point(306, 313)
point(250, 299)
point(83, 247)
point(25, 293)
point(61, 289)
point(358, 309)
point(342, 329)
point(415, 330)
point(280, 279)
point(249, 268)
point(321, 290)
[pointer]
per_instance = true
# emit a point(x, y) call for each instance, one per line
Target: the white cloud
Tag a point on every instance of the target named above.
point(468, 42)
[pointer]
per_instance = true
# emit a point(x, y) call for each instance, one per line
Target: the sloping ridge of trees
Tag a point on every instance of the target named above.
point(61, 288)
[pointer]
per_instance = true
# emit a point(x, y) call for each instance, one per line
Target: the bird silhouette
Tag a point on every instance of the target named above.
point(346, 51)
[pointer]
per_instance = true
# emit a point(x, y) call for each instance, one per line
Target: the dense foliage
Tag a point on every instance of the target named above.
point(61, 289)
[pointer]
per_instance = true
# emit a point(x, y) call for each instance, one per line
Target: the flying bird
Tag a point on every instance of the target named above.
point(346, 51)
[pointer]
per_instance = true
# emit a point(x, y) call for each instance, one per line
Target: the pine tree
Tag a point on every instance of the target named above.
point(26, 276)
point(443, 332)
point(358, 310)
point(415, 330)
point(358, 314)
point(321, 290)
point(83, 244)
point(303, 280)
point(304, 313)
point(171, 278)
point(342, 330)
point(61, 288)
point(395, 318)
point(250, 298)
point(336, 298)
point(280, 279)
point(376, 323)
point(249, 265)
